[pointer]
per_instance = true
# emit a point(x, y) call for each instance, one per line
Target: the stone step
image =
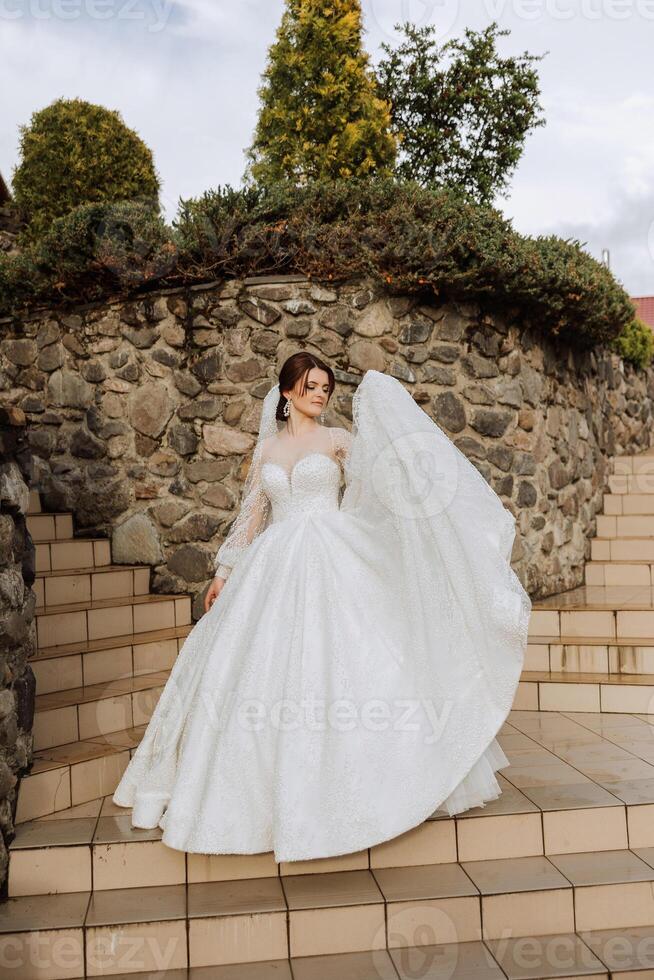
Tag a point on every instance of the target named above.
point(592, 655)
point(159, 930)
point(34, 503)
point(77, 714)
point(54, 555)
point(610, 574)
point(585, 691)
point(79, 622)
point(616, 504)
point(639, 549)
point(111, 658)
point(91, 584)
point(622, 613)
point(576, 781)
point(642, 462)
point(625, 526)
point(50, 526)
point(631, 484)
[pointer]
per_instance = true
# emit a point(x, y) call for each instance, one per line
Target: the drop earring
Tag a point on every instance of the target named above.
point(287, 408)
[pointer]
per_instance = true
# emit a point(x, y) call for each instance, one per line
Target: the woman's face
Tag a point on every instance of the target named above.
point(315, 398)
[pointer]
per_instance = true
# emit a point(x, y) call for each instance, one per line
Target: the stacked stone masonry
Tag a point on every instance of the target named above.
point(143, 413)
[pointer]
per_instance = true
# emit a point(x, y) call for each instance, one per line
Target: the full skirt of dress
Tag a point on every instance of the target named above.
point(307, 716)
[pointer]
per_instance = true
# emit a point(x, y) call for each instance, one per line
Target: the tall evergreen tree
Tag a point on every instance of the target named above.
point(321, 111)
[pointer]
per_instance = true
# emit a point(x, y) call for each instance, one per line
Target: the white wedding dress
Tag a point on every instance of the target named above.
point(351, 677)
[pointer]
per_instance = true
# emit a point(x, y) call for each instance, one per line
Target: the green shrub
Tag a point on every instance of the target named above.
point(407, 238)
point(411, 239)
point(96, 250)
point(74, 152)
point(635, 343)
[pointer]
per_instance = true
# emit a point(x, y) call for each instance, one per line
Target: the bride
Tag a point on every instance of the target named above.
point(359, 651)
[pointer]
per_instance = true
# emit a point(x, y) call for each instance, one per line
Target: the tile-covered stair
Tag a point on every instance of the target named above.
point(564, 855)
point(562, 861)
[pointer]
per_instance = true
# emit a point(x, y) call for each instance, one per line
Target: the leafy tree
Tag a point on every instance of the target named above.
point(321, 113)
point(460, 111)
point(635, 343)
point(74, 152)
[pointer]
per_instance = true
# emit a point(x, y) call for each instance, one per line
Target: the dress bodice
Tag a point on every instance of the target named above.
point(311, 484)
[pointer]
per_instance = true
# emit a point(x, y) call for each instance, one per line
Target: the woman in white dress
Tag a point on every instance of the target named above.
point(359, 653)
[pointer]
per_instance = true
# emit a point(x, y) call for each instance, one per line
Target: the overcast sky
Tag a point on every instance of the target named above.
point(185, 75)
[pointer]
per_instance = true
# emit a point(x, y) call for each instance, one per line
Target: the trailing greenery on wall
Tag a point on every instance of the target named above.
point(404, 236)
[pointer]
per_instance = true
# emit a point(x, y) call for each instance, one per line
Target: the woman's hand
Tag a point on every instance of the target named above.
point(213, 592)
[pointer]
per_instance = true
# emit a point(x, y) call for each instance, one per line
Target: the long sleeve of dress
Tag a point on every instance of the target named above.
point(341, 442)
point(250, 521)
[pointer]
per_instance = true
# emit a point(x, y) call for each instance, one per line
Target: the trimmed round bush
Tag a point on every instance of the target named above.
point(74, 152)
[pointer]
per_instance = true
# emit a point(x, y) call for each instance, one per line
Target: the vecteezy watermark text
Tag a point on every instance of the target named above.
point(153, 13)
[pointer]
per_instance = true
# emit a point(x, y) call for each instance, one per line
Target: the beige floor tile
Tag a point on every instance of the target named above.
point(606, 773)
point(424, 882)
point(487, 837)
point(105, 715)
point(614, 906)
point(160, 655)
point(633, 791)
point(514, 875)
point(586, 829)
point(363, 965)
point(569, 697)
point(111, 621)
point(90, 780)
point(640, 821)
point(433, 842)
point(237, 897)
point(101, 553)
point(106, 665)
point(261, 970)
point(562, 955)
point(112, 585)
point(607, 868)
point(528, 777)
point(311, 891)
point(41, 871)
point(117, 829)
point(83, 810)
point(154, 616)
point(71, 554)
point(62, 589)
point(58, 628)
point(153, 903)
point(357, 861)
point(456, 961)
point(54, 833)
point(573, 795)
point(136, 947)
point(536, 912)
point(57, 673)
point(43, 793)
point(137, 864)
point(62, 911)
point(537, 657)
point(230, 867)
point(337, 930)
point(237, 938)
point(434, 921)
point(624, 698)
point(30, 959)
point(55, 727)
point(624, 950)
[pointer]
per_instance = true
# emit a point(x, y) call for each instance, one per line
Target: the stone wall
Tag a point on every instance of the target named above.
point(17, 626)
point(142, 413)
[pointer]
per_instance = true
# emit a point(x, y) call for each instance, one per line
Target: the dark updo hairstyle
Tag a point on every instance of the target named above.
point(295, 367)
